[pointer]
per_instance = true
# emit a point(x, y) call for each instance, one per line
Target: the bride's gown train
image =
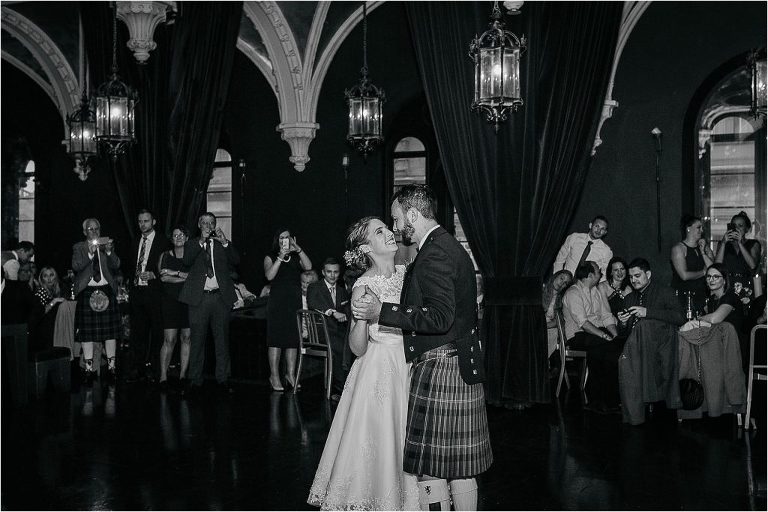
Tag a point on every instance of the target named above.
point(362, 463)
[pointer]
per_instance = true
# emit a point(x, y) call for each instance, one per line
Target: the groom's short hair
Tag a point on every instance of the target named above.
point(419, 197)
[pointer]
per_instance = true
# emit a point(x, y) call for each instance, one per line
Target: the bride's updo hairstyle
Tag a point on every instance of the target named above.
point(357, 235)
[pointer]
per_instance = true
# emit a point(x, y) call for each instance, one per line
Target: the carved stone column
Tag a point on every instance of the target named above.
point(298, 136)
point(142, 18)
point(608, 108)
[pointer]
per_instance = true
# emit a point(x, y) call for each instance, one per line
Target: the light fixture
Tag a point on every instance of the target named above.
point(496, 54)
point(756, 63)
point(82, 123)
point(115, 102)
point(82, 136)
point(365, 102)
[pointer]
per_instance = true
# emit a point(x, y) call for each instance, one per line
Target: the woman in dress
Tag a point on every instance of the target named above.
point(551, 300)
point(615, 288)
point(724, 306)
point(739, 255)
point(690, 259)
point(173, 273)
point(49, 295)
point(282, 269)
point(362, 463)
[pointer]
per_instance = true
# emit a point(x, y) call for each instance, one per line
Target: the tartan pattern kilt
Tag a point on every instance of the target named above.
point(93, 326)
point(447, 431)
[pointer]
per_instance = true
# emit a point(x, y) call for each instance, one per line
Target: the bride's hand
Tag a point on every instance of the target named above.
point(367, 307)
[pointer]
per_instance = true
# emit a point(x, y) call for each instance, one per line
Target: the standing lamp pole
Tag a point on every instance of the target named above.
point(345, 165)
point(657, 136)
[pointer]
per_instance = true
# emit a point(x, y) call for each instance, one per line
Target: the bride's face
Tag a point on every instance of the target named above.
point(381, 240)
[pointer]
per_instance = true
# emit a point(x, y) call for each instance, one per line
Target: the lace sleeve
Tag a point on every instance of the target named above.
point(362, 281)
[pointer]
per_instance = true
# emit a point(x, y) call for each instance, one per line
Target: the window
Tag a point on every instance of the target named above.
point(731, 177)
point(27, 204)
point(219, 198)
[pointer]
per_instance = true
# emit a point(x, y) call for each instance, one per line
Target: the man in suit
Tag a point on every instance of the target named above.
point(97, 317)
point(447, 431)
point(210, 294)
point(13, 259)
point(329, 296)
point(145, 296)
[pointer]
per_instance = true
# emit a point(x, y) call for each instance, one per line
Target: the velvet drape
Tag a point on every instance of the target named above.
point(516, 191)
point(182, 90)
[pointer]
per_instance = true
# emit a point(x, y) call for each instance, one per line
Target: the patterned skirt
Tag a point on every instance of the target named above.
point(96, 326)
point(447, 434)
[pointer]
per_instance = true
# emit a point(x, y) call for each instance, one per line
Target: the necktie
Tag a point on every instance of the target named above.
point(96, 267)
point(333, 295)
point(208, 264)
point(585, 253)
point(141, 257)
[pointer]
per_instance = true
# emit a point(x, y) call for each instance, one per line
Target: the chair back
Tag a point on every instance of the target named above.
point(316, 329)
point(560, 322)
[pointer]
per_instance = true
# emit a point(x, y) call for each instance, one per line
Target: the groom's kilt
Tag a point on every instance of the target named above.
point(96, 326)
point(447, 432)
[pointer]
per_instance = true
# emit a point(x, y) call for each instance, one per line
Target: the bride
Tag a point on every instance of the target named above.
point(362, 463)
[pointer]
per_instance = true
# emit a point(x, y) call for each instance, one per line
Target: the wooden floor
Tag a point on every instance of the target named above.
point(133, 447)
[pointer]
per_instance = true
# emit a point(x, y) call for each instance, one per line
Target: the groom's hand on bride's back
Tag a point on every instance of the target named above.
point(367, 307)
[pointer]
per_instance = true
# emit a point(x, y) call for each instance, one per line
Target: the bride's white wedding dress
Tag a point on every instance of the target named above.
point(362, 463)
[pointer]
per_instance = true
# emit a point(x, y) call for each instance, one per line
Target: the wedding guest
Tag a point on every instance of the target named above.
point(282, 268)
point(723, 305)
point(581, 247)
point(49, 295)
point(689, 259)
point(739, 255)
point(11, 260)
point(616, 287)
point(552, 300)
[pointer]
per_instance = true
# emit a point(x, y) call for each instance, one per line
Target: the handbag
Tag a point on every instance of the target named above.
point(691, 390)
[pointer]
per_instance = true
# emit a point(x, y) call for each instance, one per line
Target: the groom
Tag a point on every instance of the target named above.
point(447, 442)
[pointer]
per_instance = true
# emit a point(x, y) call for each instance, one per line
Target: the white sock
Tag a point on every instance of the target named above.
point(434, 495)
point(464, 494)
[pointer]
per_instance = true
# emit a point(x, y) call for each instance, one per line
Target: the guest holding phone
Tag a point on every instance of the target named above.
point(282, 269)
point(739, 255)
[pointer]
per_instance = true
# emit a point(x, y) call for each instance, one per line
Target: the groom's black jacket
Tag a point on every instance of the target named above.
point(438, 304)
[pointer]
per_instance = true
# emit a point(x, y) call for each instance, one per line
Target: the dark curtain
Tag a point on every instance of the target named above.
point(515, 191)
point(178, 117)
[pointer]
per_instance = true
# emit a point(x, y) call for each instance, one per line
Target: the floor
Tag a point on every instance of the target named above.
point(132, 447)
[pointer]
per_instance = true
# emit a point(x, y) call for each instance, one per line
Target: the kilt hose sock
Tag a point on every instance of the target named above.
point(464, 494)
point(434, 495)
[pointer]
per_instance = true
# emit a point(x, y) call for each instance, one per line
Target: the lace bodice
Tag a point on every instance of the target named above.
point(388, 290)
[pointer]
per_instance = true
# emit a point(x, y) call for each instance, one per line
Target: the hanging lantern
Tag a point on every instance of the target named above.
point(115, 102)
point(365, 101)
point(757, 70)
point(496, 54)
point(82, 136)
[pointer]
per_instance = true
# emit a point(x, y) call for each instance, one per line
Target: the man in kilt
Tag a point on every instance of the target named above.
point(97, 317)
point(447, 442)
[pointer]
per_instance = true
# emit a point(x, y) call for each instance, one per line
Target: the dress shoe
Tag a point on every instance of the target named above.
point(163, 386)
point(335, 397)
point(111, 376)
point(88, 376)
point(183, 385)
point(275, 384)
point(292, 383)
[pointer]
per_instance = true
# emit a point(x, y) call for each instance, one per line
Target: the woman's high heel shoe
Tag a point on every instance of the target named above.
point(278, 387)
point(292, 382)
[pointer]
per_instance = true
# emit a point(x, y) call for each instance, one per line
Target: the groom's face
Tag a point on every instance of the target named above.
point(401, 224)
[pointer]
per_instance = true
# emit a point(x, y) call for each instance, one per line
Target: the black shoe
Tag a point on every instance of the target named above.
point(111, 375)
point(183, 385)
point(163, 386)
point(88, 376)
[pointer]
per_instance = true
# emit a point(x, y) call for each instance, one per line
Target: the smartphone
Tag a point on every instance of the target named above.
point(285, 243)
point(730, 227)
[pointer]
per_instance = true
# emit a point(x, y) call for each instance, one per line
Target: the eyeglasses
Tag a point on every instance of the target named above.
point(180, 235)
point(92, 229)
point(713, 277)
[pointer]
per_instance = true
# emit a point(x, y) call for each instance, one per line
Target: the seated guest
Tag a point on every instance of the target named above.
point(551, 300)
point(590, 326)
point(11, 260)
point(739, 255)
point(689, 259)
point(652, 315)
point(19, 305)
point(49, 296)
point(724, 306)
point(26, 275)
point(307, 278)
point(330, 298)
point(616, 287)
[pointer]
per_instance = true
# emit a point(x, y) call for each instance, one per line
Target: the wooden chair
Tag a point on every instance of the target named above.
point(752, 375)
point(317, 343)
point(567, 354)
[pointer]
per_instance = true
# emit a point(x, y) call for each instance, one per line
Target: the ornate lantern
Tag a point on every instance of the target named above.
point(82, 136)
point(496, 54)
point(115, 102)
point(365, 102)
point(757, 70)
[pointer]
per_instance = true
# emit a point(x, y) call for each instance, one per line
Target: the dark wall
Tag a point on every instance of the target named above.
point(673, 48)
point(62, 200)
point(312, 202)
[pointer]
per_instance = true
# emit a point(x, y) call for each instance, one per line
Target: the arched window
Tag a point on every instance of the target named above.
point(219, 198)
point(27, 204)
point(410, 163)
